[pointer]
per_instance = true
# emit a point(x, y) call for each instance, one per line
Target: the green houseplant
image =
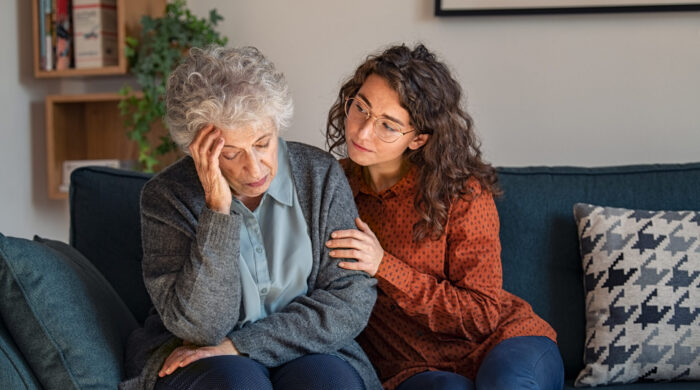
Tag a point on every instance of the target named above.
point(162, 44)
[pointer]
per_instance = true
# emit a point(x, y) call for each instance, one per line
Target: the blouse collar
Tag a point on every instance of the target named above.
point(405, 186)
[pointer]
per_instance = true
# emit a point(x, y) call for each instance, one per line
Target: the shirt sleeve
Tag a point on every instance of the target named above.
point(465, 303)
point(335, 310)
point(190, 266)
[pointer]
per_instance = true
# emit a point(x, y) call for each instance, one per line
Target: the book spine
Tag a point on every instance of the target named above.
point(48, 37)
point(95, 35)
point(42, 33)
point(63, 35)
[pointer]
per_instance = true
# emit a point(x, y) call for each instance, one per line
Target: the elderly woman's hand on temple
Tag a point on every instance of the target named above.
point(205, 150)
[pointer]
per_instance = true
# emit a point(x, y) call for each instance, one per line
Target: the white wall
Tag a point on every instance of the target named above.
point(553, 89)
point(25, 209)
point(601, 89)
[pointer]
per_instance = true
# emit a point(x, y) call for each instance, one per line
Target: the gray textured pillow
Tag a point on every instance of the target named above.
point(642, 284)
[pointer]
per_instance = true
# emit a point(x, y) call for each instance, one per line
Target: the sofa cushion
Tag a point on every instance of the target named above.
point(641, 275)
point(105, 226)
point(14, 370)
point(540, 256)
point(65, 318)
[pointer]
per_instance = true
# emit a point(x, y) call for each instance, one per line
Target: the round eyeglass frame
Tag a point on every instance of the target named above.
point(369, 115)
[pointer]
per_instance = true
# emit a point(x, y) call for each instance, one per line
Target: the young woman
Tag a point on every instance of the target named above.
point(429, 234)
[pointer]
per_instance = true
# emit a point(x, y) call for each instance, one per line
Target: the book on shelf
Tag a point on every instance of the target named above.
point(64, 35)
point(95, 33)
point(70, 165)
point(42, 32)
point(46, 22)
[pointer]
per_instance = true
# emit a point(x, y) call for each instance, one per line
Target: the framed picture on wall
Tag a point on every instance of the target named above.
point(500, 7)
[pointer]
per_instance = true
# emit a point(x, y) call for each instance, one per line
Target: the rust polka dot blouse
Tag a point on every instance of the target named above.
point(440, 304)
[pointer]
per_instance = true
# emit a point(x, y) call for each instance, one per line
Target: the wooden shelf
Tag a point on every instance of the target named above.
point(87, 127)
point(91, 127)
point(129, 13)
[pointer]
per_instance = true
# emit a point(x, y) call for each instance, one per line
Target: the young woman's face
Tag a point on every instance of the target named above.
point(364, 147)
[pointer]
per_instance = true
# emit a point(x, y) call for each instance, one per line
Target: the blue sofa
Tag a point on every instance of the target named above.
point(541, 261)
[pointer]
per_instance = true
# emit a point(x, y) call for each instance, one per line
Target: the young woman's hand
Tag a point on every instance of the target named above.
point(205, 150)
point(188, 353)
point(361, 245)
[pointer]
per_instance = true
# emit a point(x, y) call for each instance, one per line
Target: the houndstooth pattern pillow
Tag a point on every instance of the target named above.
point(642, 284)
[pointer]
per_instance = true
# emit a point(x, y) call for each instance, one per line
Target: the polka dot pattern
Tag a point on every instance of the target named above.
point(440, 304)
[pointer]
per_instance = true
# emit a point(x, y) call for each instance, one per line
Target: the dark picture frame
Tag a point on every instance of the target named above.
point(515, 7)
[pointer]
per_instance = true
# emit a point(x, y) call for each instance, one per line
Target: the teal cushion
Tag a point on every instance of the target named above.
point(14, 370)
point(66, 319)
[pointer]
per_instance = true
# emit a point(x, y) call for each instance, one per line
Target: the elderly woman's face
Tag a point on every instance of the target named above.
point(248, 160)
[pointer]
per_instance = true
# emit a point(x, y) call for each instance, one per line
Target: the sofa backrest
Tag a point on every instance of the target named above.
point(105, 226)
point(541, 261)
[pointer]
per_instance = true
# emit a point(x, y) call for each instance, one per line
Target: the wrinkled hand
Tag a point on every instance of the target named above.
point(205, 150)
point(188, 353)
point(361, 245)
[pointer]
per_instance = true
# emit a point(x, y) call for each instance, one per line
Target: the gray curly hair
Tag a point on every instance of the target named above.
point(225, 87)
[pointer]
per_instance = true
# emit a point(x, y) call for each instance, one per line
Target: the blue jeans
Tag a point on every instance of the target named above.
point(310, 372)
point(528, 362)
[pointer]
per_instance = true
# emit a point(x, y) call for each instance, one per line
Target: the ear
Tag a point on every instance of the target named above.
point(418, 141)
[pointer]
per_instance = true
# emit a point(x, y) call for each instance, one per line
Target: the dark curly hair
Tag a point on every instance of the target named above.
point(432, 98)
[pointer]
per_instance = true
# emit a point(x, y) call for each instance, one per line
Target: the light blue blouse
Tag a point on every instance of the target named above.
point(275, 259)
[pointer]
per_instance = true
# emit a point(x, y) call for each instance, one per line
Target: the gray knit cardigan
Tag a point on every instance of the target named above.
point(190, 266)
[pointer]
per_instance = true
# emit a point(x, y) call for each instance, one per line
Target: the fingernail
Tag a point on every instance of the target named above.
point(328, 243)
point(332, 253)
point(333, 235)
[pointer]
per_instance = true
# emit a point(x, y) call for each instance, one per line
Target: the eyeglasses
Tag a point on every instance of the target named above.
point(357, 111)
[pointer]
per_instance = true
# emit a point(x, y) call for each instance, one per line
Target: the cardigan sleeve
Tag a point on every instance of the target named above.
point(190, 265)
point(336, 308)
point(465, 303)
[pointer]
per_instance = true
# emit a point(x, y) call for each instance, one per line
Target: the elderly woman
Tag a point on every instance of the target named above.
point(245, 293)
